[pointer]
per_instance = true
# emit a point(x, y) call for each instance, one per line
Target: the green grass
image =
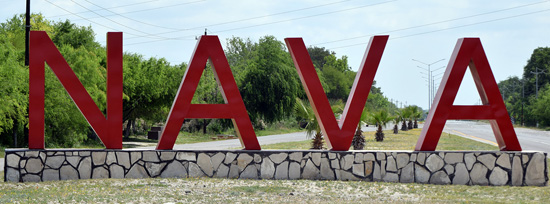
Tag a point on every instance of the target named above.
point(405, 140)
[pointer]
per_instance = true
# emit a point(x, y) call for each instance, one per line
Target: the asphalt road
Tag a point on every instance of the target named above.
point(529, 139)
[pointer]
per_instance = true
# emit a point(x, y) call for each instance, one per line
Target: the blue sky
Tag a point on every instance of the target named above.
point(423, 30)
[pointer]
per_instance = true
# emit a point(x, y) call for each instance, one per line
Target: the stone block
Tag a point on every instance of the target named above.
point(174, 170)
point(347, 176)
point(297, 156)
point(498, 177)
point(368, 157)
point(478, 174)
point(461, 175)
point(55, 162)
point(233, 171)
point(469, 160)
point(150, 156)
point(229, 157)
point(31, 178)
point(421, 174)
point(407, 173)
point(449, 169)
point(382, 168)
point(359, 169)
point(100, 172)
point(294, 170)
point(31, 154)
point(517, 171)
point(50, 175)
point(326, 171)
point(380, 156)
point(251, 172)
point(347, 161)
point(243, 160)
point(167, 156)
point(335, 164)
point(316, 158)
point(413, 157)
point(223, 171)
point(391, 177)
point(204, 162)
point(311, 171)
point(281, 172)
point(12, 160)
point(369, 167)
point(116, 171)
point(441, 178)
point(99, 158)
point(504, 161)
point(488, 160)
point(257, 158)
point(34, 166)
point(421, 158)
point(111, 158)
point(195, 171)
point(453, 158)
point(402, 160)
point(73, 160)
point(67, 172)
point(280, 157)
point(123, 159)
point(376, 175)
point(186, 156)
point(267, 169)
point(134, 157)
point(434, 163)
point(217, 159)
point(85, 168)
point(358, 158)
point(154, 169)
point(11, 175)
point(137, 171)
point(391, 165)
point(535, 171)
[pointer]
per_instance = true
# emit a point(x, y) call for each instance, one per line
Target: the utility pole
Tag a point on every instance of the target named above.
point(536, 73)
point(27, 31)
point(430, 83)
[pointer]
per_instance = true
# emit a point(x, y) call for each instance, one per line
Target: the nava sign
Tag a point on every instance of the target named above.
point(467, 53)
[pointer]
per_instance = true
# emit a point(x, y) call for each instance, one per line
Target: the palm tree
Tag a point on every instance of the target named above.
point(358, 141)
point(398, 117)
point(305, 114)
point(417, 113)
point(380, 118)
point(405, 113)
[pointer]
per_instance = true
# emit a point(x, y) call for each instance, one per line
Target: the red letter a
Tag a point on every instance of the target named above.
point(468, 52)
point(208, 47)
point(339, 135)
point(109, 129)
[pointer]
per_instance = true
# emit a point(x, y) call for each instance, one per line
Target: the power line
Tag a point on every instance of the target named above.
point(434, 23)
point(145, 23)
point(450, 28)
point(263, 24)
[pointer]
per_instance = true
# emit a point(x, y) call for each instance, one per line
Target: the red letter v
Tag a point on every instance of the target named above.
point(339, 135)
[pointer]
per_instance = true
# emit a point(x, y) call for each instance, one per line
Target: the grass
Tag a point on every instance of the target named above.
point(211, 190)
point(2, 151)
point(405, 140)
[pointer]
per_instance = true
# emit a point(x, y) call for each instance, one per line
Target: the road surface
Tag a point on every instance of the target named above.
point(529, 139)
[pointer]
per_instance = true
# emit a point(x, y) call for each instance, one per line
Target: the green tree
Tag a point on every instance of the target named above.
point(358, 141)
point(272, 76)
point(540, 108)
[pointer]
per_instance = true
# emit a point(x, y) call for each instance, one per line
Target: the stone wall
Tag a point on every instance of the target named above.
point(443, 167)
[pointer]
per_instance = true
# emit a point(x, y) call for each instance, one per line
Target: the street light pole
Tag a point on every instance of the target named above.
point(27, 31)
point(430, 88)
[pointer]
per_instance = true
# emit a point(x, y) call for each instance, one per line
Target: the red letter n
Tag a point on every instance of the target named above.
point(468, 52)
point(208, 47)
point(42, 50)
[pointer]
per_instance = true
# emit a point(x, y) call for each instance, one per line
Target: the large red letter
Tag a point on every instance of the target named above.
point(339, 135)
point(208, 47)
point(109, 129)
point(468, 52)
